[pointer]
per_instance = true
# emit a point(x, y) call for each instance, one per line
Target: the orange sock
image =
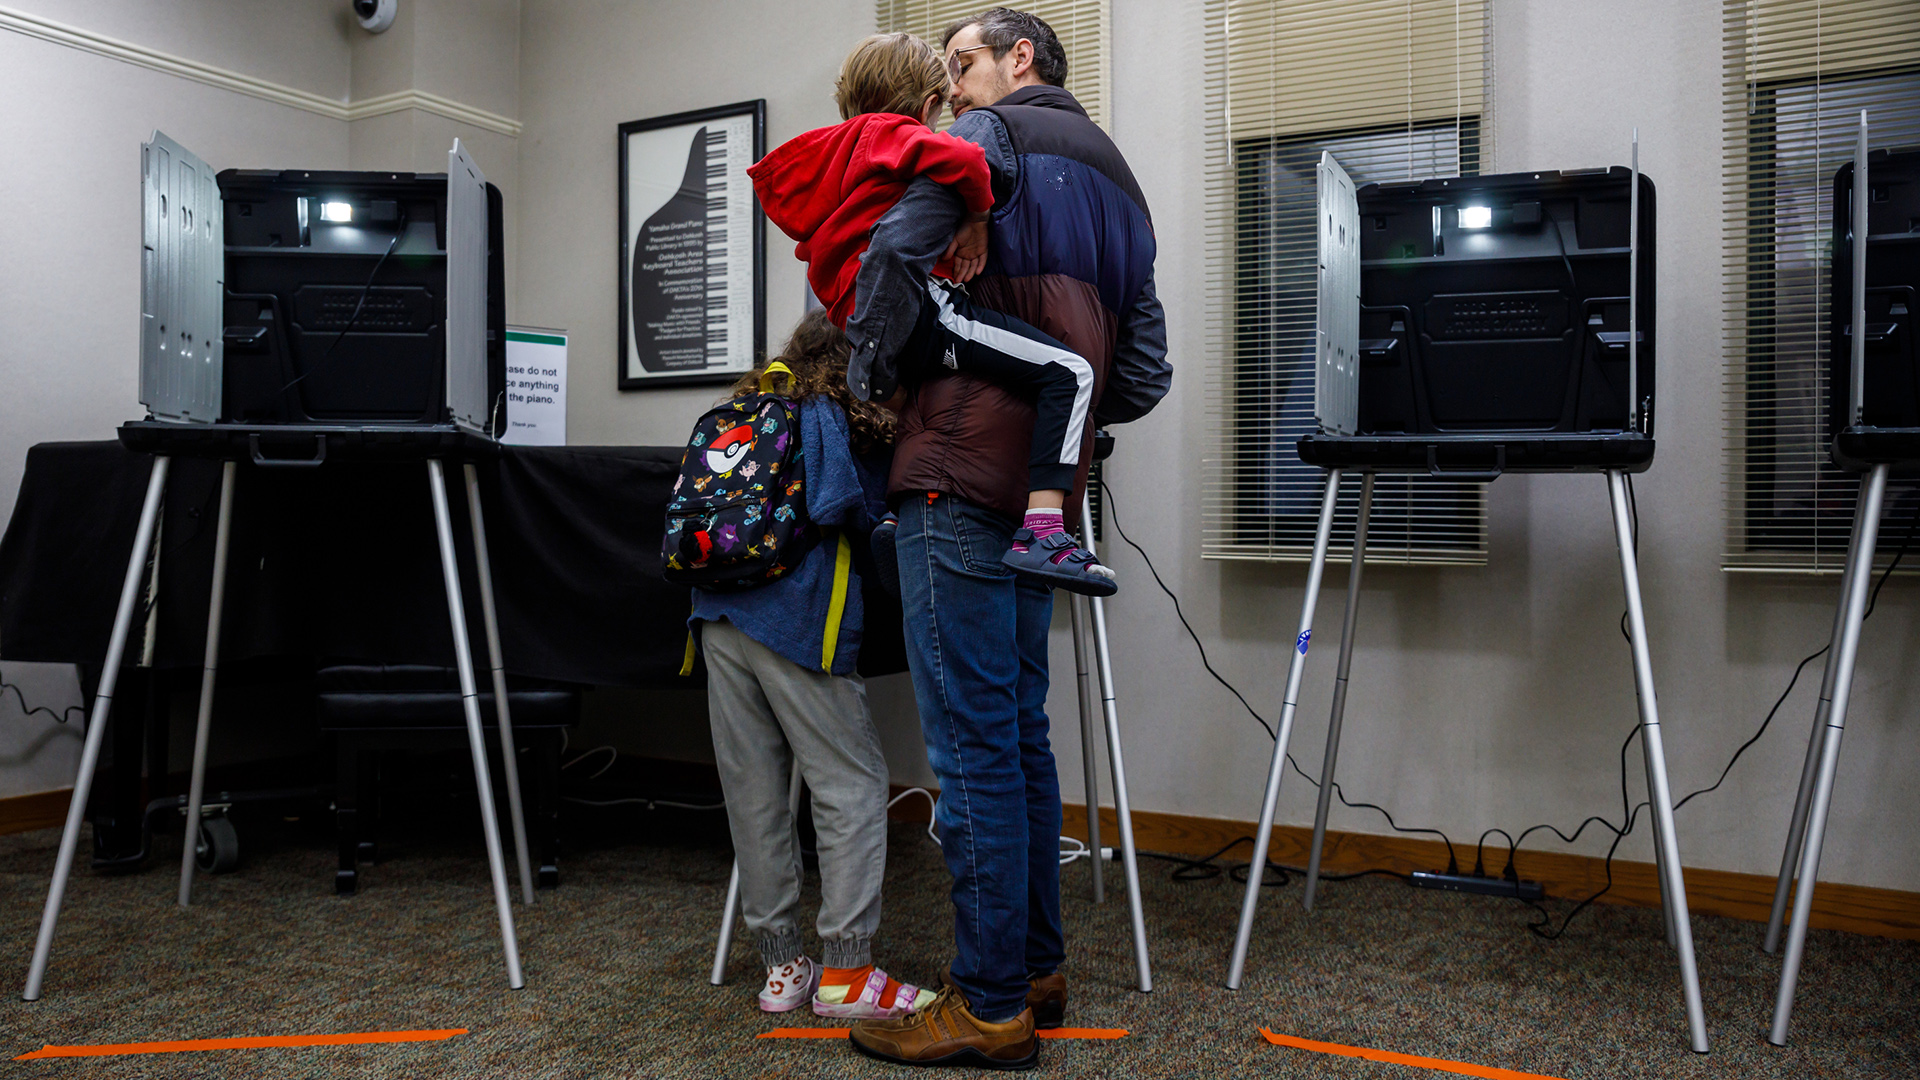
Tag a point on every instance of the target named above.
point(852, 977)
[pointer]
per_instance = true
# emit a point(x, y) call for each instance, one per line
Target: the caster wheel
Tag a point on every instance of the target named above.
point(219, 848)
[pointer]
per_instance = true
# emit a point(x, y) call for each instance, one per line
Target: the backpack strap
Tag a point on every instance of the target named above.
point(837, 604)
point(686, 662)
point(777, 368)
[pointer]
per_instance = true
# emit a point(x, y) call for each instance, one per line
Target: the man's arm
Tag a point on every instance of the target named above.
point(1140, 375)
point(901, 251)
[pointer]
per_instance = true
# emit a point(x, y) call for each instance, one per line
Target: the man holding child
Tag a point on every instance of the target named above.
point(1071, 253)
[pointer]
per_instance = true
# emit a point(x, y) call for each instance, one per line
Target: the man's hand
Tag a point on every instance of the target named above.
point(968, 250)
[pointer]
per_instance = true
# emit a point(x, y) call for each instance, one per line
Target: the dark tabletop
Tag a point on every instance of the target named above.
point(342, 562)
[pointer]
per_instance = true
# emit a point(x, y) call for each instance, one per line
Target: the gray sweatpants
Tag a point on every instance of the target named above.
point(767, 711)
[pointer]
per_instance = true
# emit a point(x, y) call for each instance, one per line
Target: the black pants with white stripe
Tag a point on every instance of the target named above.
point(960, 335)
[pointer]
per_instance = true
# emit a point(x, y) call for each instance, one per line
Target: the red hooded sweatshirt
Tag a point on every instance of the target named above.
point(827, 189)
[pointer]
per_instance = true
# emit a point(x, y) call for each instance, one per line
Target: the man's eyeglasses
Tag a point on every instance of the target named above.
point(953, 59)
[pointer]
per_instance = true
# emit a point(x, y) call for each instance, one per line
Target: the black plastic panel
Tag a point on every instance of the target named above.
point(1891, 397)
point(1518, 327)
point(307, 339)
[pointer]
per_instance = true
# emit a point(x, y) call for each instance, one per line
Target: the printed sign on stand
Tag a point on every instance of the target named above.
point(536, 387)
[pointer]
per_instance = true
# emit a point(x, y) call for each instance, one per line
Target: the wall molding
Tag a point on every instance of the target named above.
point(44, 29)
point(41, 810)
point(1858, 909)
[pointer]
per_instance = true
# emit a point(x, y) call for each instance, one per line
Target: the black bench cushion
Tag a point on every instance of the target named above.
point(417, 696)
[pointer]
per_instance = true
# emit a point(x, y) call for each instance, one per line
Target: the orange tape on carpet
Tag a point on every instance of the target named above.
point(841, 1033)
point(1392, 1058)
point(351, 1039)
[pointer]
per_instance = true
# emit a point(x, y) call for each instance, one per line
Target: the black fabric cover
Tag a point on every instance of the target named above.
point(341, 562)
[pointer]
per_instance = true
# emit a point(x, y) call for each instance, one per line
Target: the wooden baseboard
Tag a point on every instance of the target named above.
point(24, 813)
point(1858, 909)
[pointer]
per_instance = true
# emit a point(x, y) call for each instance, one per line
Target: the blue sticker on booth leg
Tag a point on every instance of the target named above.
point(1305, 636)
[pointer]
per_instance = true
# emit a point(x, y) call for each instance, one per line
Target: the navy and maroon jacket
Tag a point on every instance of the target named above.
point(1071, 253)
point(826, 188)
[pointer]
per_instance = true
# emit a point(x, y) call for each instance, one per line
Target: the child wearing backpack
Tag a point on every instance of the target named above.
point(827, 188)
point(780, 486)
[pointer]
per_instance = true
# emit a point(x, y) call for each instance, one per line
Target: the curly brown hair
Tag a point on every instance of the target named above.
point(817, 354)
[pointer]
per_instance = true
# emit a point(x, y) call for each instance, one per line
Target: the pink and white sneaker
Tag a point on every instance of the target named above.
point(867, 1000)
point(789, 985)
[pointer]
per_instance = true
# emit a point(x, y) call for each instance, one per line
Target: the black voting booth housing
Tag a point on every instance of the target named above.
point(1495, 321)
point(367, 319)
point(1470, 327)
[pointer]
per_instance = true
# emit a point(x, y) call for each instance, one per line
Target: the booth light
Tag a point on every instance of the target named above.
point(336, 211)
point(1476, 217)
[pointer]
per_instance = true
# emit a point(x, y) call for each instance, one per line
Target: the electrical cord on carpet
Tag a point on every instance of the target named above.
point(1205, 868)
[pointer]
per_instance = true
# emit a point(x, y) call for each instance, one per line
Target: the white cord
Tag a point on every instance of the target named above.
point(1071, 847)
point(932, 804)
point(613, 756)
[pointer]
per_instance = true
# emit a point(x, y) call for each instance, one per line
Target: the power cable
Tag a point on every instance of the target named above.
point(1204, 868)
point(59, 716)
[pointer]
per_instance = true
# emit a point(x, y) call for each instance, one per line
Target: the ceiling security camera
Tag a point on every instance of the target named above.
point(375, 15)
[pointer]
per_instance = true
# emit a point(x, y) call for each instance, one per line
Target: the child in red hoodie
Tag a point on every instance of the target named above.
point(828, 187)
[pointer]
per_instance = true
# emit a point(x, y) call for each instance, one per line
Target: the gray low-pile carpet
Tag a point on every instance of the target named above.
point(617, 959)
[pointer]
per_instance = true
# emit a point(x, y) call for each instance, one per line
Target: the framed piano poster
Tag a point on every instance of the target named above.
point(693, 306)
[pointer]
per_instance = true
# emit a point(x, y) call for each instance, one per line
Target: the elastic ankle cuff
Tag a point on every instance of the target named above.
point(780, 948)
point(848, 953)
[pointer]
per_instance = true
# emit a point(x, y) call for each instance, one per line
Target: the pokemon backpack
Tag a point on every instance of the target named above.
point(737, 518)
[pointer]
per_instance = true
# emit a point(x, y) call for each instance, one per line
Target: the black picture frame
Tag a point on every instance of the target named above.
point(662, 287)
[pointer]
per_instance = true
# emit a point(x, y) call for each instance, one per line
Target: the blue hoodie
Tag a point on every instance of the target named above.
point(845, 498)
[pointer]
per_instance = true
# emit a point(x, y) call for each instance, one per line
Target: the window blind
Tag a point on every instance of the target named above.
point(1395, 89)
point(1798, 73)
point(1084, 28)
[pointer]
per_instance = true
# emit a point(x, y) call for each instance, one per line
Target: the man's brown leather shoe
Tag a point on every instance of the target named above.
point(946, 1032)
point(1047, 997)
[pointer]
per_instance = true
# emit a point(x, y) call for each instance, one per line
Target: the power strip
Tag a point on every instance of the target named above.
point(1485, 886)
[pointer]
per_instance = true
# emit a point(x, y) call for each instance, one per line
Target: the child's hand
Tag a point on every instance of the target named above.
point(968, 250)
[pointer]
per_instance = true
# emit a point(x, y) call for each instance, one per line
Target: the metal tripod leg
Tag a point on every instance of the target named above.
point(731, 910)
point(1873, 489)
point(1089, 757)
point(1797, 826)
point(509, 753)
point(97, 725)
point(1296, 663)
point(1339, 690)
point(470, 701)
point(197, 786)
point(1122, 806)
point(1659, 794)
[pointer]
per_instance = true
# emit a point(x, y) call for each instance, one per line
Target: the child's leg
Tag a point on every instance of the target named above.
point(826, 721)
point(1008, 352)
point(1001, 349)
point(755, 766)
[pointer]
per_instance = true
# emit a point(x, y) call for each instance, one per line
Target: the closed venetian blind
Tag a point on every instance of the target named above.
point(1083, 27)
point(1395, 89)
point(1798, 74)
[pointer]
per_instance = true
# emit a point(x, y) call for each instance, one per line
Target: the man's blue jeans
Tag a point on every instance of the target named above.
point(977, 645)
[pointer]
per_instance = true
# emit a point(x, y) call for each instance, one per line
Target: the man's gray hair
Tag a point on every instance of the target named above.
point(1003, 27)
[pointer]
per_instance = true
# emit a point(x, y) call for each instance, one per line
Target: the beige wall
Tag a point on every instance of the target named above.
point(1485, 697)
point(70, 234)
point(1482, 697)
